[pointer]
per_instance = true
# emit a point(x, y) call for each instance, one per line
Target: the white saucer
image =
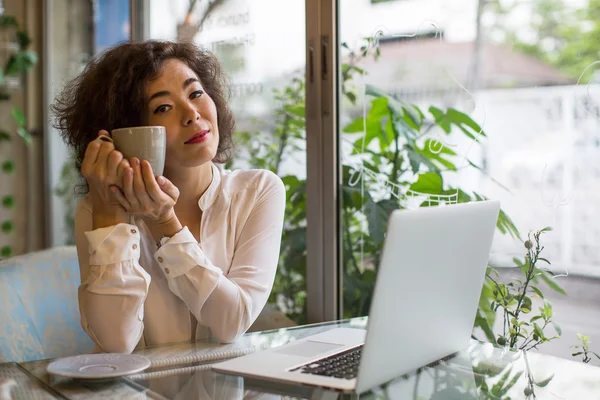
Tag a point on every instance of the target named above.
point(98, 366)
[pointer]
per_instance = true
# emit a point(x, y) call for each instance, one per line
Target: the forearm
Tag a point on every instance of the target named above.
point(103, 216)
point(167, 228)
point(114, 287)
point(112, 311)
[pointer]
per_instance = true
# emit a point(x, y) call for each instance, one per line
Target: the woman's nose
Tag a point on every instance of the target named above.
point(191, 116)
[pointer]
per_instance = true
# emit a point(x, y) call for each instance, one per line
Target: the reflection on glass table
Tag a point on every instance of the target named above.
point(483, 371)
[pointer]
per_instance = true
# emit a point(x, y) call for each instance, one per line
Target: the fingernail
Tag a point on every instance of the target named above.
point(160, 180)
point(105, 138)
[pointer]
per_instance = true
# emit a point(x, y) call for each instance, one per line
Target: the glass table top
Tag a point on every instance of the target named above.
point(481, 371)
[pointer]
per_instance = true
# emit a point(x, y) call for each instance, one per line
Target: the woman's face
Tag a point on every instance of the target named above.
point(177, 101)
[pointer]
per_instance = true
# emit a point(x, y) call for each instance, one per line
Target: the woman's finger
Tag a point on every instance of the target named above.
point(123, 166)
point(90, 156)
point(105, 148)
point(150, 182)
point(114, 160)
point(167, 187)
point(138, 184)
point(128, 190)
point(120, 197)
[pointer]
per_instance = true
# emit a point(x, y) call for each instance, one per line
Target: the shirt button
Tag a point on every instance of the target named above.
point(133, 231)
point(167, 270)
point(134, 246)
point(160, 259)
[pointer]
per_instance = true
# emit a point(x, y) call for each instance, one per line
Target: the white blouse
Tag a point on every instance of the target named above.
point(134, 293)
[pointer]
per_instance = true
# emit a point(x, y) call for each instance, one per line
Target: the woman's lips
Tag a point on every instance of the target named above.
point(198, 137)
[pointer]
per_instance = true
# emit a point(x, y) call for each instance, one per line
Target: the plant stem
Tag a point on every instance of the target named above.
point(532, 256)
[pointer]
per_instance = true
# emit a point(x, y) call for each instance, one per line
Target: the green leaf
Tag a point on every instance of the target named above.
point(498, 390)
point(377, 216)
point(412, 115)
point(8, 21)
point(544, 260)
point(371, 90)
point(557, 328)
point(31, 58)
point(8, 167)
point(551, 282)
point(298, 110)
point(8, 201)
point(23, 40)
point(19, 117)
point(7, 226)
point(22, 132)
point(505, 225)
point(6, 251)
point(440, 119)
point(379, 108)
point(545, 382)
point(526, 304)
point(463, 121)
point(417, 159)
point(548, 308)
point(577, 354)
point(538, 330)
point(354, 197)
point(482, 322)
point(20, 62)
point(435, 151)
point(429, 182)
point(355, 126)
point(537, 291)
point(351, 96)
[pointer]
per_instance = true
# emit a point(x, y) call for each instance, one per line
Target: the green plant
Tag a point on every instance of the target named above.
point(399, 149)
point(514, 299)
point(584, 345)
point(19, 63)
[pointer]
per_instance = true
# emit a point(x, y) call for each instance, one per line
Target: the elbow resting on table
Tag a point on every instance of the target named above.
point(232, 326)
point(115, 343)
point(228, 336)
point(118, 347)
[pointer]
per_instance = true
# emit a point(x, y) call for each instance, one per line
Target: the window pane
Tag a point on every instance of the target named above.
point(446, 102)
point(77, 31)
point(264, 58)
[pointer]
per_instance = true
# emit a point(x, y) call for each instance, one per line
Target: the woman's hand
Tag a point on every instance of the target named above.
point(144, 195)
point(103, 168)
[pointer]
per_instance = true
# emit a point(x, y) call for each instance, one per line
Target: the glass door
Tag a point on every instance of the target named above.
point(447, 102)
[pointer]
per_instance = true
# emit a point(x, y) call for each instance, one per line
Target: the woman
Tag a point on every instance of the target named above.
point(188, 255)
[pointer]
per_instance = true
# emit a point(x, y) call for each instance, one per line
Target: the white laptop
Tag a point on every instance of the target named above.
point(423, 308)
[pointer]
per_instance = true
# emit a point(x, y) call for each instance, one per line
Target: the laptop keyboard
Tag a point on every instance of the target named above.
point(341, 365)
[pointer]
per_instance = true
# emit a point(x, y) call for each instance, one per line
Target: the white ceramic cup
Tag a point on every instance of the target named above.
point(144, 142)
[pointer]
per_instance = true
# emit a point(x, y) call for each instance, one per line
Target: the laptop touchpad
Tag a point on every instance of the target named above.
point(309, 348)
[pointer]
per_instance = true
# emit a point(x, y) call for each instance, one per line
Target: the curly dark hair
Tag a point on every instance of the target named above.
point(110, 93)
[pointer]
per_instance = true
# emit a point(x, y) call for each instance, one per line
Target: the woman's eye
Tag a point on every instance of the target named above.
point(162, 109)
point(196, 94)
